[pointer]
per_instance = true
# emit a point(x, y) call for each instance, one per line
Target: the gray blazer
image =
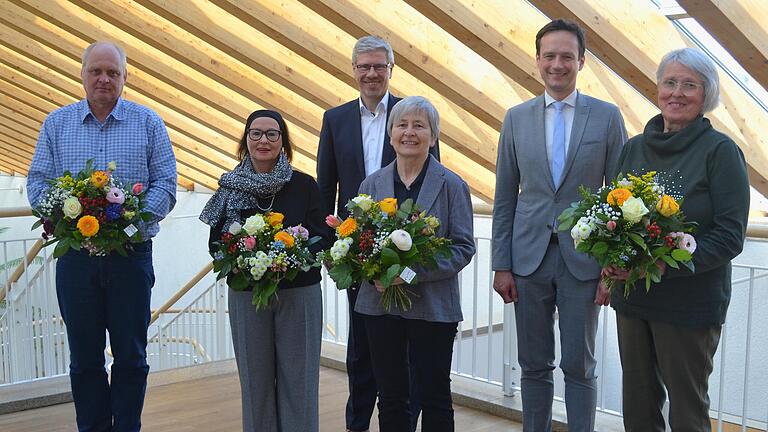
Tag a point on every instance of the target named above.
point(444, 195)
point(527, 202)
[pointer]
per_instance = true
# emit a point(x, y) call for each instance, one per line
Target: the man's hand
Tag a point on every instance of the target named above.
point(603, 294)
point(380, 287)
point(504, 284)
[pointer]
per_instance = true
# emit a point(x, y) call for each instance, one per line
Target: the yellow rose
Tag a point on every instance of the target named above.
point(347, 227)
point(286, 238)
point(388, 206)
point(618, 196)
point(88, 226)
point(99, 178)
point(275, 218)
point(667, 206)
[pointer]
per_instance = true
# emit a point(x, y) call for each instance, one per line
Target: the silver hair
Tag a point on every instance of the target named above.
point(118, 48)
point(372, 43)
point(415, 104)
point(700, 64)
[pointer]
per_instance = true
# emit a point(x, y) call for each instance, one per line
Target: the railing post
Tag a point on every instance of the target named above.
point(510, 349)
point(221, 320)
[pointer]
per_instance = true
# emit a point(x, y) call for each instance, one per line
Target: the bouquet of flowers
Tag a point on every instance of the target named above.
point(381, 241)
point(91, 210)
point(261, 253)
point(631, 224)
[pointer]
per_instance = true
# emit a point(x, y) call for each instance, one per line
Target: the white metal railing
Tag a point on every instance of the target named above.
point(199, 333)
point(33, 340)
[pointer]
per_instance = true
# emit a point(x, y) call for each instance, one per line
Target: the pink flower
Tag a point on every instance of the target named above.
point(115, 196)
point(611, 225)
point(332, 221)
point(687, 242)
point(137, 188)
point(250, 242)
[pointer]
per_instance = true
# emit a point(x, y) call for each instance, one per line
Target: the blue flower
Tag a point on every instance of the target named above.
point(278, 245)
point(113, 211)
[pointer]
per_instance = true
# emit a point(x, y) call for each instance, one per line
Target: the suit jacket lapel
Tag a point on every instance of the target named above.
point(385, 188)
point(388, 153)
point(357, 138)
point(540, 138)
point(580, 117)
point(430, 187)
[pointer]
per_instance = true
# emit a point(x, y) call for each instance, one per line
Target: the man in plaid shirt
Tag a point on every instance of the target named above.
point(107, 293)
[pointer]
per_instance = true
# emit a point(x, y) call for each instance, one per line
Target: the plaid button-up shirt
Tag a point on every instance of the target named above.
point(132, 135)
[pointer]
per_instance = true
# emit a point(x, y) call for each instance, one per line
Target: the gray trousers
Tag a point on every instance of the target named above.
point(553, 286)
point(278, 359)
point(656, 355)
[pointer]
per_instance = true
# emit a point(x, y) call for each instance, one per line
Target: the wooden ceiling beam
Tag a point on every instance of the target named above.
point(296, 26)
point(740, 27)
point(19, 128)
point(16, 145)
point(429, 53)
point(506, 40)
point(14, 91)
point(12, 149)
point(21, 119)
point(186, 183)
point(25, 143)
point(19, 166)
point(144, 25)
point(638, 31)
point(62, 22)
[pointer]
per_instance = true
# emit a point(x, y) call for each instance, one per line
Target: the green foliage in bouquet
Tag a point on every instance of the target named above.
point(383, 241)
point(631, 224)
point(259, 254)
point(91, 210)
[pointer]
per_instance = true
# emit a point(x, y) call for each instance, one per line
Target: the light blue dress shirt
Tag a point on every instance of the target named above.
point(132, 135)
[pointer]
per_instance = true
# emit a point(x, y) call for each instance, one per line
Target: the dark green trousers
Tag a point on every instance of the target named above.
point(659, 359)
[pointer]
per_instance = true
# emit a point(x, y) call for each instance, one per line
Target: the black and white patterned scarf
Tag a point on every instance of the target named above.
point(240, 190)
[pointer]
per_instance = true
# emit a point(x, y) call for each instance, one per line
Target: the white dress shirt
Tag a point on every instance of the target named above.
point(549, 121)
point(372, 125)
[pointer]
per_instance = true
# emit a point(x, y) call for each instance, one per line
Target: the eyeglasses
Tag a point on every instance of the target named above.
point(687, 88)
point(272, 134)
point(378, 67)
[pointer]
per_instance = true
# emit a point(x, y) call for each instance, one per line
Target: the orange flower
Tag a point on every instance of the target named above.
point(88, 226)
point(618, 196)
point(99, 178)
point(347, 227)
point(284, 237)
point(388, 206)
point(275, 218)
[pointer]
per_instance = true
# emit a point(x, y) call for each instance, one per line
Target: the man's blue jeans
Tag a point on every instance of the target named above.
point(96, 295)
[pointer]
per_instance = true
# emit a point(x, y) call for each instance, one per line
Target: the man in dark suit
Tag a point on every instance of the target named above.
point(549, 146)
point(354, 144)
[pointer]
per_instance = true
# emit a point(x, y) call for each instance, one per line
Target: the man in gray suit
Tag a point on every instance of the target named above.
point(549, 146)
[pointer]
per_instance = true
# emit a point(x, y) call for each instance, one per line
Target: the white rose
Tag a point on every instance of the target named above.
point(72, 207)
point(401, 239)
point(363, 201)
point(633, 209)
point(339, 249)
point(235, 228)
point(254, 224)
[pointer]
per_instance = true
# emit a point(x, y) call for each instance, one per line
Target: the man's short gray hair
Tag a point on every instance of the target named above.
point(700, 64)
point(372, 43)
point(415, 105)
point(118, 48)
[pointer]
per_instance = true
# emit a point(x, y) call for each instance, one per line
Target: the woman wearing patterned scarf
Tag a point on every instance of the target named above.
point(277, 348)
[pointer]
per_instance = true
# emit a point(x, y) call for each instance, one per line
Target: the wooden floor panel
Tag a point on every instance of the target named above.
point(213, 404)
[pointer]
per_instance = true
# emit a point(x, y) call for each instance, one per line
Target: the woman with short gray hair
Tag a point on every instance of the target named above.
point(668, 336)
point(425, 332)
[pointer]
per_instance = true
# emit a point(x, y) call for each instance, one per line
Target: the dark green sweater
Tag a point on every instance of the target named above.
point(707, 168)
